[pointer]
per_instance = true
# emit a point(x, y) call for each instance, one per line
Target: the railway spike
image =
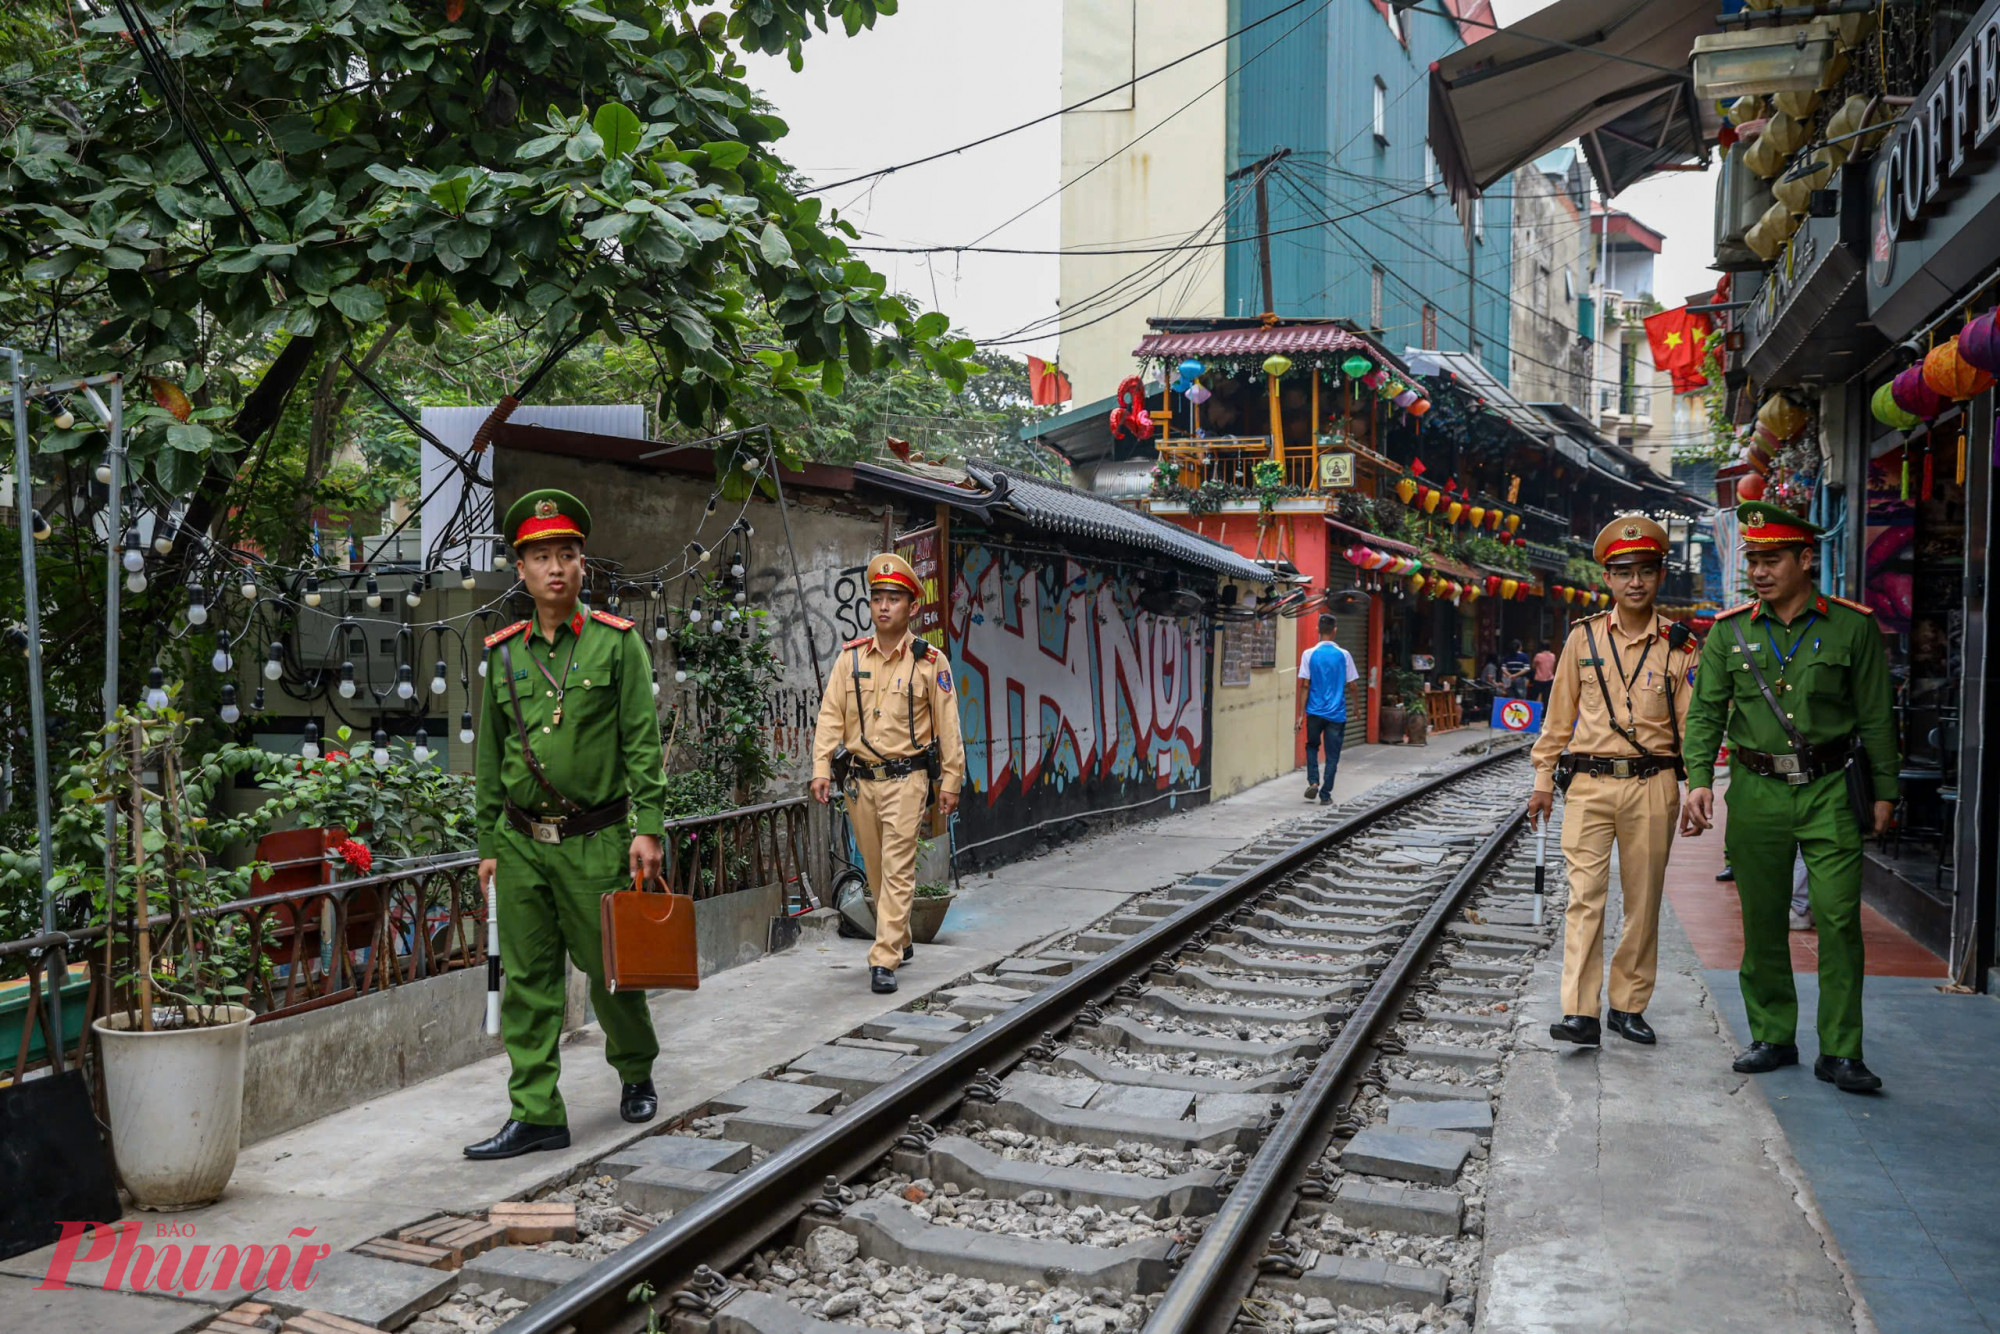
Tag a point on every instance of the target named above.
point(1390, 1045)
point(1090, 1016)
point(1314, 1186)
point(1049, 1045)
point(1285, 1256)
point(833, 1199)
point(917, 1136)
point(1166, 965)
point(983, 1088)
point(706, 1293)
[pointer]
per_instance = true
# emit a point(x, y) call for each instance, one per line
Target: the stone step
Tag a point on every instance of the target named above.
point(855, 1073)
point(770, 1129)
point(891, 1235)
point(660, 1190)
point(1429, 1158)
point(1079, 1061)
point(1354, 1280)
point(772, 1093)
point(1160, 1000)
point(1034, 1114)
point(1472, 1118)
point(525, 1274)
point(1423, 1210)
point(684, 1151)
point(965, 1164)
point(1120, 1032)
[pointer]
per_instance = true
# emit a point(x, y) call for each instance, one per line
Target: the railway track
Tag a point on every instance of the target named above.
point(1254, 1099)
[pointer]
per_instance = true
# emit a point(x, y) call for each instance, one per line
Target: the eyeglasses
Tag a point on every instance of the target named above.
point(1631, 574)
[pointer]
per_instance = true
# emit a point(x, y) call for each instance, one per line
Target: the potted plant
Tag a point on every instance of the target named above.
point(1402, 696)
point(172, 1047)
point(927, 911)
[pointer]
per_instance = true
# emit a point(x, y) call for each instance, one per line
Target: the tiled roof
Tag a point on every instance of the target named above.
point(1290, 339)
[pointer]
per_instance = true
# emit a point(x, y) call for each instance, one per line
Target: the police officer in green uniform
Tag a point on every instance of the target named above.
point(1797, 681)
point(570, 803)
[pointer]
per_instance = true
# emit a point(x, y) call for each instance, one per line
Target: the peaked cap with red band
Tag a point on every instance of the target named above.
point(1767, 526)
point(889, 570)
point(1630, 537)
point(541, 515)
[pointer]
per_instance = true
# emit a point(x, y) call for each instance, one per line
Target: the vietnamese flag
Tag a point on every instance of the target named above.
point(1047, 385)
point(1679, 341)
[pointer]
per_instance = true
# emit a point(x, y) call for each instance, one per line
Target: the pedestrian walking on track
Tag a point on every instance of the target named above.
point(1797, 683)
point(1611, 743)
point(570, 801)
point(1325, 671)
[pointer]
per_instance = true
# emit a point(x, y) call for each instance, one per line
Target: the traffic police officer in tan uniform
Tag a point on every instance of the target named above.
point(888, 733)
point(1611, 739)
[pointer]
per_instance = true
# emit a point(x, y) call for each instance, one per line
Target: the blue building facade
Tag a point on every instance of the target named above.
point(1362, 227)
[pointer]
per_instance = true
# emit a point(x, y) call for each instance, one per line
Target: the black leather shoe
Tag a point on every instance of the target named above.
point(518, 1137)
point(1632, 1026)
point(909, 952)
point(1847, 1074)
point(638, 1102)
point(1764, 1057)
point(1582, 1029)
point(881, 981)
point(1727, 873)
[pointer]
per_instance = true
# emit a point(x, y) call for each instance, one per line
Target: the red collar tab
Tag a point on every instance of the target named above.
point(576, 623)
point(1819, 605)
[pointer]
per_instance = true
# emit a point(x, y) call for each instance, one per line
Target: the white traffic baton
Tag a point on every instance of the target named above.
point(1541, 866)
point(493, 957)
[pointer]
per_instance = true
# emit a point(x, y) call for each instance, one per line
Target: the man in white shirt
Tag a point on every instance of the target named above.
point(1325, 671)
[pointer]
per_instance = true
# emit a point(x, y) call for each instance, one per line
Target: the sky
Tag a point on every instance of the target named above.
point(943, 72)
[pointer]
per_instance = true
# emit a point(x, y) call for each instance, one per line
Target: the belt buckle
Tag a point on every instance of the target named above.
point(545, 831)
point(1798, 779)
point(1785, 764)
point(1621, 768)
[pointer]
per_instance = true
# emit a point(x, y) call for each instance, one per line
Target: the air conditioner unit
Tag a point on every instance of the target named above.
point(1741, 197)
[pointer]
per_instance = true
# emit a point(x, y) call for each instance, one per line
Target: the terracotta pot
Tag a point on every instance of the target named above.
point(927, 917)
point(1416, 727)
point(1391, 725)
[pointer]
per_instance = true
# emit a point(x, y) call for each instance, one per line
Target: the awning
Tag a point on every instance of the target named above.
point(1291, 339)
point(1476, 378)
point(1613, 73)
point(1368, 539)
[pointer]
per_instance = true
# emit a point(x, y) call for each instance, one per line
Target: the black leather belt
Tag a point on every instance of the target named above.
point(1808, 765)
point(902, 766)
point(1621, 766)
point(556, 828)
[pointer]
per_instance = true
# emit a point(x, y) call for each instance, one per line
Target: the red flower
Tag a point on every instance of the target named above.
point(356, 854)
point(335, 755)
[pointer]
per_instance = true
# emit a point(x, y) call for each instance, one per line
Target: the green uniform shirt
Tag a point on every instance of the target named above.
point(1836, 684)
point(607, 745)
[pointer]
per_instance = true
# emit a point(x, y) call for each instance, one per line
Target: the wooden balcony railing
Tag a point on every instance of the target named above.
point(1233, 459)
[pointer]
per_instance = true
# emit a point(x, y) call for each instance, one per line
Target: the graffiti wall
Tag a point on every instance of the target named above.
point(1073, 700)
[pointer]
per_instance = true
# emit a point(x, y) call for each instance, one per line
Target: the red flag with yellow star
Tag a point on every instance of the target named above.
point(1679, 341)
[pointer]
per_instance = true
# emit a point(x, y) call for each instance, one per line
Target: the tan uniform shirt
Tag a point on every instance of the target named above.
point(901, 703)
point(1579, 718)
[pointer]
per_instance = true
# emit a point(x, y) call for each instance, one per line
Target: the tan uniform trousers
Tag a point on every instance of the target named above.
point(1638, 814)
point(887, 816)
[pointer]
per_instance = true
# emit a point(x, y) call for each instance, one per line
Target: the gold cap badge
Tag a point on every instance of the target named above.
point(1631, 531)
point(545, 509)
point(1754, 521)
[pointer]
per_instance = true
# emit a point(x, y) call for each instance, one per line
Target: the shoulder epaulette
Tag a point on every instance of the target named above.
point(615, 622)
point(859, 641)
point(921, 649)
point(1746, 606)
point(1861, 607)
point(493, 640)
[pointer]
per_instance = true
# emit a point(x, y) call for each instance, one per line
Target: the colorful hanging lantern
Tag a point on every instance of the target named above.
point(1951, 375)
point(1277, 364)
point(1979, 342)
point(1190, 369)
point(1375, 378)
point(1493, 518)
point(1521, 593)
point(1513, 522)
point(1356, 366)
point(1471, 592)
point(1420, 407)
point(1406, 490)
point(1509, 587)
point(1431, 498)
point(1416, 583)
point(1494, 583)
point(1357, 556)
point(1751, 487)
point(1914, 396)
point(1477, 514)
point(1198, 394)
point(1404, 399)
point(1453, 511)
point(1883, 405)
point(1568, 593)
point(1782, 417)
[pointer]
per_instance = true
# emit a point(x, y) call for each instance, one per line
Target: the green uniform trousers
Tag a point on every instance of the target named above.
point(548, 901)
point(1768, 818)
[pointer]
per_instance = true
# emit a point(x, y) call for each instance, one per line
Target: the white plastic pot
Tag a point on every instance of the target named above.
point(176, 1099)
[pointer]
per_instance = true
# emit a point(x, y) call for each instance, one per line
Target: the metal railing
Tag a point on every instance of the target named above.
point(750, 847)
point(1232, 460)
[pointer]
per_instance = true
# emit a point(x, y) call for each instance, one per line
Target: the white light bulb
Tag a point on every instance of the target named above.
point(705, 556)
point(104, 474)
point(163, 542)
point(660, 633)
point(413, 598)
point(222, 662)
point(422, 754)
point(248, 588)
point(465, 736)
point(437, 685)
point(231, 714)
point(273, 670)
point(135, 582)
point(680, 677)
point(404, 690)
point(380, 754)
point(374, 601)
point(65, 419)
point(715, 624)
point(347, 690)
point(742, 598)
point(197, 614)
point(309, 750)
point(736, 570)
point(134, 559)
point(312, 598)
point(656, 689)
point(695, 615)
point(482, 666)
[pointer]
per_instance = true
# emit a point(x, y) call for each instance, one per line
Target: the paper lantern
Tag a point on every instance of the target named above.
point(1420, 407)
point(1509, 587)
point(1513, 522)
point(1472, 593)
point(1404, 399)
point(1277, 364)
point(1476, 515)
point(1406, 490)
point(1431, 498)
point(1493, 518)
point(1357, 555)
point(1979, 342)
point(1452, 511)
point(1568, 593)
point(1190, 368)
point(1356, 366)
point(1883, 405)
point(1416, 583)
point(1521, 593)
point(1751, 487)
point(1914, 396)
point(1375, 377)
point(1782, 417)
point(1951, 375)
point(1198, 394)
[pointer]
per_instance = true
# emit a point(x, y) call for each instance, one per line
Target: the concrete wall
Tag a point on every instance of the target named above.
point(304, 1066)
point(1166, 185)
point(1252, 728)
point(1549, 233)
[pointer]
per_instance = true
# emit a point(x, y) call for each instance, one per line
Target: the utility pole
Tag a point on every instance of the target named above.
point(1259, 170)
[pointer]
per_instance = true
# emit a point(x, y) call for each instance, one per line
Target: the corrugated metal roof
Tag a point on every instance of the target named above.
point(1060, 509)
point(1473, 375)
point(1289, 339)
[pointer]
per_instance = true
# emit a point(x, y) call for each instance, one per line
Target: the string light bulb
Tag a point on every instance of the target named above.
point(38, 524)
point(465, 728)
point(64, 418)
point(347, 680)
point(437, 680)
point(736, 570)
point(135, 582)
point(694, 611)
point(312, 590)
point(163, 537)
point(680, 676)
point(421, 752)
point(413, 596)
point(656, 683)
point(221, 660)
point(104, 473)
point(700, 551)
point(465, 574)
point(309, 747)
point(274, 660)
point(660, 626)
point(257, 700)
point(381, 752)
point(405, 687)
point(134, 559)
point(156, 689)
point(374, 598)
point(197, 606)
point(231, 715)
point(247, 589)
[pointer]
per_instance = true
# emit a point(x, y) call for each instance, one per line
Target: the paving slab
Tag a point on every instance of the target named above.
point(525, 1274)
point(381, 1293)
point(1140, 1100)
point(1069, 1091)
point(26, 1309)
point(1474, 1118)
point(1353, 1280)
point(660, 1190)
point(1422, 1210)
point(774, 1094)
point(687, 1151)
point(1426, 1157)
point(855, 1073)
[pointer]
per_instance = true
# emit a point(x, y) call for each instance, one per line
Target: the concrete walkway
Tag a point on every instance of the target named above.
point(394, 1161)
point(1641, 1188)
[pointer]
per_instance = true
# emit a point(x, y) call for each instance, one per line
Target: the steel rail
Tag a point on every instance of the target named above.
point(730, 1223)
point(1205, 1296)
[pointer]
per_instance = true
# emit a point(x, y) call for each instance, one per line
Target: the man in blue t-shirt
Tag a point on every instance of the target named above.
point(1325, 671)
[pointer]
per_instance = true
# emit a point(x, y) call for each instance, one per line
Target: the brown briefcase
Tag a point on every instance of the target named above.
point(649, 940)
